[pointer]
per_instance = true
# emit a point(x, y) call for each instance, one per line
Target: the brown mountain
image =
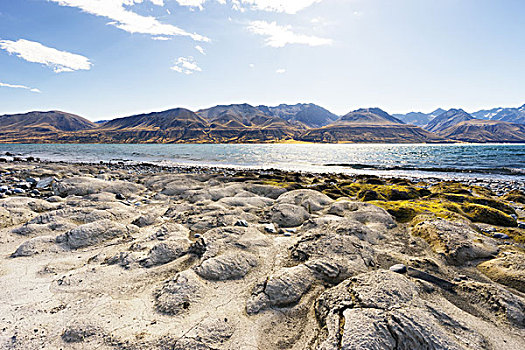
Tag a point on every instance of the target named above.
point(174, 125)
point(306, 115)
point(40, 126)
point(245, 123)
point(447, 119)
point(477, 130)
point(371, 125)
point(373, 116)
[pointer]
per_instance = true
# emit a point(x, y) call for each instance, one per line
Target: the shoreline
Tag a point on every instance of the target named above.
point(498, 186)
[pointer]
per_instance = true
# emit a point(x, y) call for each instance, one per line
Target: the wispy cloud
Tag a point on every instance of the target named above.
point(286, 6)
point(14, 86)
point(200, 49)
point(280, 36)
point(192, 3)
point(186, 65)
point(32, 51)
point(128, 20)
point(280, 71)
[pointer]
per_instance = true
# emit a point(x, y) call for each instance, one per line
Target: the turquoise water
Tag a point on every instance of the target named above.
point(485, 161)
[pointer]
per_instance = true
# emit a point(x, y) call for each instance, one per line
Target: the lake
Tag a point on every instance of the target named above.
point(497, 161)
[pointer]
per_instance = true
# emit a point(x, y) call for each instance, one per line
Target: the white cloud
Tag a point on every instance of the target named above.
point(191, 3)
point(280, 36)
point(60, 61)
point(280, 71)
point(252, 65)
point(157, 2)
point(200, 49)
point(161, 38)
point(128, 20)
point(287, 6)
point(186, 65)
point(14, 86)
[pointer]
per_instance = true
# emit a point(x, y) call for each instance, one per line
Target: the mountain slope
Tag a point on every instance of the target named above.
point(40, 126)
point(447, 119)
point(512, 115)
point(477, 130)
point(45, 121)
point(168, 126)
point(245, 123)
point(375, 116)
point(419, 118)
point(370, 125)
point(172, 118)
point(301, 114)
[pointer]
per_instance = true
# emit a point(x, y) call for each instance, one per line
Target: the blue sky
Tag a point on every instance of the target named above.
point(104, 59)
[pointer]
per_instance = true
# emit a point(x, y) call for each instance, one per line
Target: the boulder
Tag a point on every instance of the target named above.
point(284, 288)
point(35, 246)
point(455, 241)
point(385, 310)
point(82, 186)
point(176, 295)
point(508, 269)
point(228, 266)
point(289, 215)
point(94, 233)
point(309, 199)
point(167, 251)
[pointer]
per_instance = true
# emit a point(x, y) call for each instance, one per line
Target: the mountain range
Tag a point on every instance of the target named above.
point(244, 123)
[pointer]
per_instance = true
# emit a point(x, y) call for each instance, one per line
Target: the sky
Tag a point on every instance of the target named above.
point(104, 59)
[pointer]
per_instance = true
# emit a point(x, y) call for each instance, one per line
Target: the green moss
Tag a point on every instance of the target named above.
point(369, 192)
point(515, 196)
point(516, 234)
point(487, 215)
point(485, 201)
point(366, 195)
point(451, 187)
point(405, 211)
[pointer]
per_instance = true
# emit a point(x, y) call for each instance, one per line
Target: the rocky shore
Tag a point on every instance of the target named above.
point(117, 256)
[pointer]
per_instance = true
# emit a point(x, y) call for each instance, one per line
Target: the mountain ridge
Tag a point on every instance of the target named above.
point(245, 123)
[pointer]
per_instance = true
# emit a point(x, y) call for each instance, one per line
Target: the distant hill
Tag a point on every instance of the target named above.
point(35, 126)
point(375, 116)
point(419, 118)
point(301, 114)
point(477, 130)
point(162, 127)
point(244, 123)
point(370, 125)
point(447, 119)
point(511, 115)
point(45, 121)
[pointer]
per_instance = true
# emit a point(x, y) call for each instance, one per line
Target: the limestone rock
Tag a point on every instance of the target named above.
point(309, 199)
point(508, 269)
point(81, 186)
point(289, 215)
point(283, 288)
point(93, 233)
point(166, 252)
point(456, 241)
point(35, 246)
point(178, 294)
point(229, 266)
